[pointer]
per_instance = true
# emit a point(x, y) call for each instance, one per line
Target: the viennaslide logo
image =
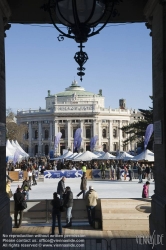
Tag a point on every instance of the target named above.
point(154, 239)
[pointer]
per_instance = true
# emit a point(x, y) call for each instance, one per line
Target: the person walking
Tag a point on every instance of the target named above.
point(103, 168)
point(129, 171)
point(34, 177)
point(30, 175)
point(145, 191)
point(61, 187)
point(83, 185)
point(140, 173)
point(91, 201)
point(26, 187)
point(56, 203)
point(18, 198)
point(83, 168)
point(125, 172)
point(147, 172)
point(68, 203)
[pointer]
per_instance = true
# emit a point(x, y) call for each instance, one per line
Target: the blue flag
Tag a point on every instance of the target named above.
point(16, 156)
point(77, 137)
point(148, 133)
point(57, 139)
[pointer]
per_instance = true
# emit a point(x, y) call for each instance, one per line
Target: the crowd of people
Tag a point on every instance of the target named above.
point(131, 169)
point(63, 198)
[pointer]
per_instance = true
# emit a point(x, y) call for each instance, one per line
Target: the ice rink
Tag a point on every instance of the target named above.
point(104, 188)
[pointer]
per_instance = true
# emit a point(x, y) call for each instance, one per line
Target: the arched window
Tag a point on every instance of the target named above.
point(88, 133)
point(63, 133)
point(104, 133)
point(27, 149)
point(114, 133)
point(46, 149)
point(27, 135)
point(36, 149)
point(74, 130)
point(114, 146)
point(46, 134)
point(36, 134)
point(104, 147)
point(123, 134)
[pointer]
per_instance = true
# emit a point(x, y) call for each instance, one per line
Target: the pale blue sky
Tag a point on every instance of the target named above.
point(120, 63)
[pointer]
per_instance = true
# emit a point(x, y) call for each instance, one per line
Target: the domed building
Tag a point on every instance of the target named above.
point(71, 109)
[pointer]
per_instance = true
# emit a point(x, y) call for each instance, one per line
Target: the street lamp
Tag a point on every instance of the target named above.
point(81, 19)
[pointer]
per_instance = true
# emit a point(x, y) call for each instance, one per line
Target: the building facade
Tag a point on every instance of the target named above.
point(76, 108)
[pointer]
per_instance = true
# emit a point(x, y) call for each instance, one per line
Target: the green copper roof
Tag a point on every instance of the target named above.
point(75, 89)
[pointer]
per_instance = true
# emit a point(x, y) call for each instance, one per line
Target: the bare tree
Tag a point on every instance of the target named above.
point(15, 131)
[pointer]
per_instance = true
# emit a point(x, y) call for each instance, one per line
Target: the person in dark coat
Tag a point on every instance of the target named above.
point(18, 198)
point(83, 186)
point(56, 203)
point(26, 187)
point(68, 203)
point(61, 187)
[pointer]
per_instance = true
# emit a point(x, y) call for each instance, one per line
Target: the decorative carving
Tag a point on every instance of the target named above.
point(75, 108)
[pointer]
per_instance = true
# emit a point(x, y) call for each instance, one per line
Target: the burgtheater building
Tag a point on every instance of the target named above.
point(76, 108)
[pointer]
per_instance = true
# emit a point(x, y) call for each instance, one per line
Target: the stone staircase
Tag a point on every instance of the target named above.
point(125, 214)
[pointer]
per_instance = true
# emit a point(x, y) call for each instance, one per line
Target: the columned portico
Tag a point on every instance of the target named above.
point(5, 219)
point(156, 14)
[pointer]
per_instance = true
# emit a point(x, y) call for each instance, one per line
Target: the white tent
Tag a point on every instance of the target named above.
point(23, 153)
point(146, 155)
point(80, 153)
point(70, 157)
point(9, 146)
point(99, 153)
point(87, 156)
point(106, 156)
point(124, 156)
point(67, 154)
point(8, 153)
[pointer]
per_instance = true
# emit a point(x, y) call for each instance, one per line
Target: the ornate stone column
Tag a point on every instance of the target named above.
point(69, 134)
point(82, 126)
point(30, 137)
point(55, 132)
point(120, 135)
point(110, 136)
point(50, 135)
point(100, 135)
point(5, 219)
point(40, 138)
point(155, 12)
point(94, 128)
